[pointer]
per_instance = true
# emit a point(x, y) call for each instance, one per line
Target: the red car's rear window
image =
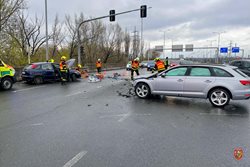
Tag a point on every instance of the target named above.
point(32, 66)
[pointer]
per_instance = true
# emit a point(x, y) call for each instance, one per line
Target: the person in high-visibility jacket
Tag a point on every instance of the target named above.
point(51, 60)
point(78, 68)
point(166, 63)
point(159, 65)
point(135, 67)
point(63, 70)
point(99, 66)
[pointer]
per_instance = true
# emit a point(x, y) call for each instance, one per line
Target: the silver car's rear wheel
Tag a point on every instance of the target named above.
point(142, 90)
point(219, 97)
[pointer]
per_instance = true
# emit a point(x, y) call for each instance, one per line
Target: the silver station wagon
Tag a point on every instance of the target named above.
point(218, 83)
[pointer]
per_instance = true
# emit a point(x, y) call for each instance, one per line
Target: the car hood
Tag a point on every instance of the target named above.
point(146, 76)
point(70, 62)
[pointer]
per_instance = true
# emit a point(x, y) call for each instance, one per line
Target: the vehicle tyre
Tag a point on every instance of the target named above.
point(6, 83)
point(38, 80)
point(142, 90)
point(219, 97)
point(73, 77)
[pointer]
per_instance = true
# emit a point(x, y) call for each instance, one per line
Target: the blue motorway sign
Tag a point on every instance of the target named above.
point(235, 50)
point(223, 50)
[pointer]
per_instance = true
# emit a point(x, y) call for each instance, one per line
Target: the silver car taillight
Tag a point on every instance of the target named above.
point(245, 82)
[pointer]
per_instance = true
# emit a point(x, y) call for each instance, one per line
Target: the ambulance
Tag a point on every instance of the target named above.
point(7, 76)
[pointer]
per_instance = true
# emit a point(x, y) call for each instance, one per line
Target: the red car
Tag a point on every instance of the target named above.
point(173, 64)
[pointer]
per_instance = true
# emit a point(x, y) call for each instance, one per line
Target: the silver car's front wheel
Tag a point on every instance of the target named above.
point(219, 97)
point(142, 90)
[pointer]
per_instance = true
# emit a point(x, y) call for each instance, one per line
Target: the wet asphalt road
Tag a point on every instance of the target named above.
point(102, 125)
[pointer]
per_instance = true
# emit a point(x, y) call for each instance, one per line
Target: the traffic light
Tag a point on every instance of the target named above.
point(112, 15)
point(143, 11)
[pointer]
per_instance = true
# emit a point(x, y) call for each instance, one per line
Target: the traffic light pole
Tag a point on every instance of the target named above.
point(97, 18)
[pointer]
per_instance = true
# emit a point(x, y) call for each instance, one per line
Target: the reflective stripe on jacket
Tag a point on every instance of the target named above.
point(63, 67)
point(160, 65)
point(135, 65)
point(98, 64)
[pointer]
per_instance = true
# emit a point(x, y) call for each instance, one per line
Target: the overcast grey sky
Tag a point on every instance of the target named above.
point(187, 21)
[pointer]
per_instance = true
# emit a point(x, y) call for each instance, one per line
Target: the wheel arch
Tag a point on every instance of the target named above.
point(11, 77)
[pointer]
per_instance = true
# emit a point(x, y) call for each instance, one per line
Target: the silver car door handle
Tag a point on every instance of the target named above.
point(208, 81)
point(180, 80)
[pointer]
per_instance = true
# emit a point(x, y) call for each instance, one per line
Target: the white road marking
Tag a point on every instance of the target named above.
point(173, 125)
point(220, 114)
point(75, 159)
point(38, 124)
point(143, 114)
point(124, 117)
point(109, 116)
point(77, 93)
point(21, 90)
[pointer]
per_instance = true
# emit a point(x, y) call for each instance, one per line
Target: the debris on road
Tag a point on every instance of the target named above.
point(117, 76)
point(89, 105)
point(94, 78)
point(126, 91)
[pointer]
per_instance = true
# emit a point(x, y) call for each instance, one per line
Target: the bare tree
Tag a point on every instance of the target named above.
point(27, 34)
point(109, 40)
point(57, 37)
point(7, 9)
point(71, 26)
point(127, 40)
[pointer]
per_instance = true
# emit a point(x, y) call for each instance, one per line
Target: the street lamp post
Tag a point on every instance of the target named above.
point(164, 39)
point(218, 50)
point(211, 45)
point(46, 24)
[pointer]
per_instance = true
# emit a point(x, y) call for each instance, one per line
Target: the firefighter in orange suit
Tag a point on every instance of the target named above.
point(63, 70)
point(135, 67)
point(99, 66)
point(159, 65)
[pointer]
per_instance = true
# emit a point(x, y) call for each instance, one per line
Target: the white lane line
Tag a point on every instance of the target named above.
point(38, 124)
point(110, 116)
point(172, 124)
point(124, 117)
point(75, 159)
point(77, 93)
point(21, 90)
point(143, 114)
point(220, 114)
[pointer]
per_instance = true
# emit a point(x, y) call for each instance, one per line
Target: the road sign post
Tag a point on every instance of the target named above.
point(177, 48)
point(189, 48)
point(235, 49)
point(159, 48)
point(223, 50)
